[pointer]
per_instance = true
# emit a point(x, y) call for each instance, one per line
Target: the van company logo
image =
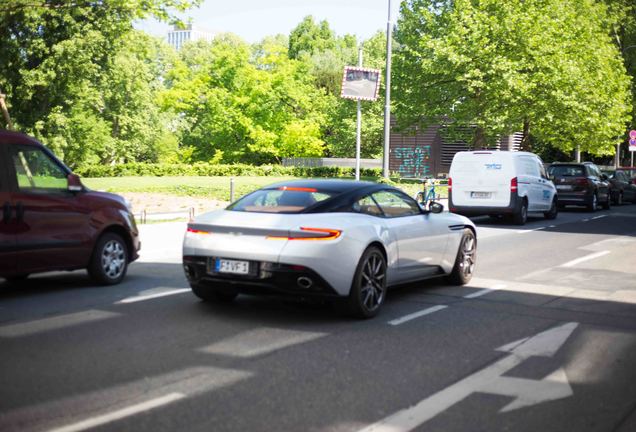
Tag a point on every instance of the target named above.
point(493, 166)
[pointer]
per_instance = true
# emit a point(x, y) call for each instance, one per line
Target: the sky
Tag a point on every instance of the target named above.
point(254, 19)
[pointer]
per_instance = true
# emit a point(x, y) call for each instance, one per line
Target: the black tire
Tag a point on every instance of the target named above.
point(465, 261)
point(593, 204)
point(553, 212)
point(607, 204)
point(109, 261)
point(521, 216)
point(368, 289)
point(210, 294)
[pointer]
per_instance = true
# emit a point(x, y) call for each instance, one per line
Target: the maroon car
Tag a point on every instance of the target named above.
point(50, 221)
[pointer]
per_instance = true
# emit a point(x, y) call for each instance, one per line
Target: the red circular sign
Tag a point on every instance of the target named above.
point(632, 134)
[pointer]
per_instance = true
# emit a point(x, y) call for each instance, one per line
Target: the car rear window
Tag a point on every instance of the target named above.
point(281, 200)
point(566, 171)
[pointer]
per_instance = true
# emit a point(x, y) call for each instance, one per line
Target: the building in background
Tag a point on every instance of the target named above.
point(178, 36)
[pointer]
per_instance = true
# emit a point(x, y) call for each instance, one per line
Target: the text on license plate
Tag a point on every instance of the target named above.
point(480, 195)
point(232, 266)
point(564, 187)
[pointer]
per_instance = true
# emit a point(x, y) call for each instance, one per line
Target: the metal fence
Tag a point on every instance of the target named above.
point(336, 162)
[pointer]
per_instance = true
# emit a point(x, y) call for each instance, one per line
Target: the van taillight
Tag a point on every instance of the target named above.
point(450, 184)
point(513, 185)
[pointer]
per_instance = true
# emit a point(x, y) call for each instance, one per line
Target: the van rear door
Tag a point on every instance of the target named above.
point(481, 179)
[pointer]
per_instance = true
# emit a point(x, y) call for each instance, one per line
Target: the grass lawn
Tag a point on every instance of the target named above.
point(206, 187)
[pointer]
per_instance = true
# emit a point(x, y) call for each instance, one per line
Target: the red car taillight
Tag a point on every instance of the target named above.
point(319, 234)
point(514, 185)
point(450, 184)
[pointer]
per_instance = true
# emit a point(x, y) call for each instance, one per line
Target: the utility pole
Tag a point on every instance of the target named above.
point(5, 111)
point(387, 101)
point(359, 122)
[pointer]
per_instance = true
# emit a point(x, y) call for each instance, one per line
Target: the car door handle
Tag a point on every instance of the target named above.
point(6, 212)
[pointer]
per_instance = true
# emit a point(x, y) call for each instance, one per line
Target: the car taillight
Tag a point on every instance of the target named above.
point(514, 185)
point(450, 184)
point(196, 231)
point(582, 181)
point(319, 234)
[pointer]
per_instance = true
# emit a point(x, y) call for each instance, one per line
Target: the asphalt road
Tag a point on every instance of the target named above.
point(543, 339)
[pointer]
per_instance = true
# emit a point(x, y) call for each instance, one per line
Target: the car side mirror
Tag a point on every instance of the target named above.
point(436, 207)
point(74, 183)
point(604, 177)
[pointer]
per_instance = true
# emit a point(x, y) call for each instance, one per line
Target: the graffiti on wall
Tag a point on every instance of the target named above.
point(414, 161)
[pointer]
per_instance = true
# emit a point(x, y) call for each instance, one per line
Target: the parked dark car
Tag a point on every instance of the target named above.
point(580, 184)
point(50, 221)
point(623, 188)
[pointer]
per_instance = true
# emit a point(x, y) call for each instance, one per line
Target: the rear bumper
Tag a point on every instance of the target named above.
point(265, 278)
point(512, 208)
point(575, 198)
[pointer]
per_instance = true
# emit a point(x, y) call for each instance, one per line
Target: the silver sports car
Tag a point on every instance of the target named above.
point(335, 239)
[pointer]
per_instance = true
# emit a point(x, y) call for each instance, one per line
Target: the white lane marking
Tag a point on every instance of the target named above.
point(415, 315)
point(54, 323)
point(585, 258)
point(485, 291)
point(526, 392)
point(76, 408)
point(258, 342)
point(120, 414)
point(136, 299)
point(599, 217)
point(530, 230)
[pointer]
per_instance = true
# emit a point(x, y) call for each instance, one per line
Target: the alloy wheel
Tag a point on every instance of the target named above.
point(373, 286)
point(467, 256)
point(113, 259)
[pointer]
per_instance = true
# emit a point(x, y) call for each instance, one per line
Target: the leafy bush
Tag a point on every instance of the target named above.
point(208, 169)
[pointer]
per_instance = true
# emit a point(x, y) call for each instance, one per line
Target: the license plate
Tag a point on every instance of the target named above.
point(232, 266)
point(480, 195)
point(564, 187)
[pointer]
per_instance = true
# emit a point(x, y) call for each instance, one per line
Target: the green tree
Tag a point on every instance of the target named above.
point(548, 68)
point(245, 103)
point(60, 64)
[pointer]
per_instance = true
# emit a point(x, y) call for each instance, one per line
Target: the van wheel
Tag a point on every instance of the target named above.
point(110, 260)
point(553, 212)
point(521, 217)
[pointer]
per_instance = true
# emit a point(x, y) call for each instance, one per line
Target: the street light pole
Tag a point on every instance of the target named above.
point(359, 122)
point(387, 101)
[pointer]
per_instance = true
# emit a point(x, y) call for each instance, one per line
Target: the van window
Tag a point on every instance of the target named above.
point(528, 166)
point(35, 170)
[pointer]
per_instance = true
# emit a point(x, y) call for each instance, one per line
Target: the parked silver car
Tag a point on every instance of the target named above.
point(336, 239)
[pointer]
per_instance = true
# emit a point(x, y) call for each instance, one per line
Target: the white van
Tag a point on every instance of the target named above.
point(499, 183)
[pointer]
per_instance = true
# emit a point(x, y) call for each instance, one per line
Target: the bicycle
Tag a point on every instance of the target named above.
point(427, 195)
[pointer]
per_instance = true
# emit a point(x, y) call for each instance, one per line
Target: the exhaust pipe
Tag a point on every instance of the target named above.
point(304, 282)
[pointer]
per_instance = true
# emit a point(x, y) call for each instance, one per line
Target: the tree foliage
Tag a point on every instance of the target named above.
point(547, 67)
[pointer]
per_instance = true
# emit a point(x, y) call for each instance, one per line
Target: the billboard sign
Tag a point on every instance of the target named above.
point(360, 83)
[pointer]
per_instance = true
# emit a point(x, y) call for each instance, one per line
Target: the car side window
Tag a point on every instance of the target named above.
point(366, 205)
point(394, 204)
point(542, 170)
point(35, 170)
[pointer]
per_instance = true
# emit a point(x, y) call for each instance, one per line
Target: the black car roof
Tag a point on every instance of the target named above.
point(331, 185)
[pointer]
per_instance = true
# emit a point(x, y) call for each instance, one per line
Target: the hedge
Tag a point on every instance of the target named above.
point(217, 170)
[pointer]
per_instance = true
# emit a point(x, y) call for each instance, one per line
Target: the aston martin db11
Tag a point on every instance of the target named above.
point(335, 239)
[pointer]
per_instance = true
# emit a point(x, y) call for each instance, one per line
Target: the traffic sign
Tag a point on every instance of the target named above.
point(632, 134)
